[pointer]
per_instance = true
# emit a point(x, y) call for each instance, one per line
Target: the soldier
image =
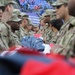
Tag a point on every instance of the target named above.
point(55, 26)
point(65, 46)
point(71, 33)
point(62, 13)
point(28, 29)
point(47, 16)
point(36, 28)
point(21, 33)
point(6, 34)
point(14, 23)
point(2, 47)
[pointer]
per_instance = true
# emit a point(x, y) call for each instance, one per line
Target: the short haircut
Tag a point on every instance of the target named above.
point(57, 23)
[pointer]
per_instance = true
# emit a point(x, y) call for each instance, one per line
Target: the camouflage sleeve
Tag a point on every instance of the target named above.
point(2, 47)
point(54, 39)
point(66, 43)
point(13, 40)
point(17, 33)
point(49, 36)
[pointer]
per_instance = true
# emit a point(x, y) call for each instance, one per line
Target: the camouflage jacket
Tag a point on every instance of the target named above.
point(6, 35)
point(67, 42)
point(62, 31)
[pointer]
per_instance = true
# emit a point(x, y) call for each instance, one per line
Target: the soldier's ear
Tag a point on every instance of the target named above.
point(67, 9)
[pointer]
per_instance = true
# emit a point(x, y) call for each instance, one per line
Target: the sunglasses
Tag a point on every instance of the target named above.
point(2, 8)
point(58, 6)
point(16, 22)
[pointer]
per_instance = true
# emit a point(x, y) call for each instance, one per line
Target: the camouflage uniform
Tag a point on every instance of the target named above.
point(62, 31)
point(36, 26)
point(66, 41)
point(64, 27)
point(15, 18)
point(65, 36)
point(29, 33)
point(7, 35)
point(21, 33)
point(46, 30)
point(49, 36)
point(47, 33)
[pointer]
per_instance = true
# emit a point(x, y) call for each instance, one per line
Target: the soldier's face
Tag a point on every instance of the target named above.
point(42, 22)
point(15, 26)
point(29, 27)
point(60, 11)
point(71, 7)
point(46, 19)
point(36, 29)
point(25, 22)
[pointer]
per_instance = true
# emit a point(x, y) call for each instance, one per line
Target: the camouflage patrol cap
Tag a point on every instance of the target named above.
point(59, 2)
point(30, 23)
point(35, 25)
point(16, 12)
point(23, 14)
point(5, 2)
point(15, 18)
point(49, 12)
point(1, 4)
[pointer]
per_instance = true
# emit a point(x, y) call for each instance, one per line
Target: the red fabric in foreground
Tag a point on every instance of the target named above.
point(58, 67)
point(33, 67)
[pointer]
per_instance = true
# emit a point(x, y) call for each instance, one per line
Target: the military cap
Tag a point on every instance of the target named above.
point(36, 25)
point(46, 14)
point(16, 12)
point(5, 2)
point(50, 11)
point(23, 14)
point(30, 23)
point(59, 3)
point(1, 4)
point(15, 18)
